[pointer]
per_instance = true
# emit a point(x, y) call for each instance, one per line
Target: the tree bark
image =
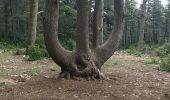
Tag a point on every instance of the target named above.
point(105, 51)
point(61, 56)
point(142, 25)
point(32, 22)
point(101, 36)
point(98, 23)
point(82, 34)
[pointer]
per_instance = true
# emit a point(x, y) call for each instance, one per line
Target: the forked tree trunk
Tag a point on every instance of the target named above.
point(83, 62)
point(142, 25)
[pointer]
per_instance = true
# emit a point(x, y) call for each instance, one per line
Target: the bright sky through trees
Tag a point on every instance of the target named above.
point(164, 2)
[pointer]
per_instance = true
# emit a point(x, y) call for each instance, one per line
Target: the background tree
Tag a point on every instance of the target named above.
point(167, 23)
point(32, 22)
point(142, 25)
point(130, 35)
point(15, 21)
point(98, 23)
point(83, 62)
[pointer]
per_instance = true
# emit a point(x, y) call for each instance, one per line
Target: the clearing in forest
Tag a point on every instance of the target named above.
point(130, 78)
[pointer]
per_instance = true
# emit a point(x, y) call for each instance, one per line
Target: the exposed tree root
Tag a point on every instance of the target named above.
point(87, 74)
point(83, 67)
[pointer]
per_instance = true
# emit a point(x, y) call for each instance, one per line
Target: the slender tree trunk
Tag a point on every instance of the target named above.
point(142, 25)
point(6, 9)
point(101, 36)
point(105, 51)
point(32, 22)
point(98, 23)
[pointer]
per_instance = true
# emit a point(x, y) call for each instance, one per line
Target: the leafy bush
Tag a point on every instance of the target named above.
point(8, 45)
point(70, 44)
point(148, 49)
point(165, 63)
point(134, 51)
point(163, 50)
point(131, 50)
point(40, 40)
point(36, 53)
point(153, 60)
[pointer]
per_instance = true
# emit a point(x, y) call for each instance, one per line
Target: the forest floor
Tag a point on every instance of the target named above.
point(130, 78)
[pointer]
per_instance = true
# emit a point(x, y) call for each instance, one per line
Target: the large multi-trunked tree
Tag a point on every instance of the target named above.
point(84, 62)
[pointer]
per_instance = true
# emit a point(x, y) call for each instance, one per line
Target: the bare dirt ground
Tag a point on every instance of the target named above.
point(130, 78)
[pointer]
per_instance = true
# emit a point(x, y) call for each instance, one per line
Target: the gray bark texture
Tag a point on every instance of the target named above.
point(98, 23)
point(83, 62)
point(142, 25)
point(32, 22)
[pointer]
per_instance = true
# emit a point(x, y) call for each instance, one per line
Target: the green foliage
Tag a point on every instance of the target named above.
point(36, 53)
point(67, 24)
point(40, 40)
point(165, 63)
point(70, 44)
point(153, 60)
point(9, 45)
point(5, 85)
point(134, 51)
point(163, 50)
point(112, 62)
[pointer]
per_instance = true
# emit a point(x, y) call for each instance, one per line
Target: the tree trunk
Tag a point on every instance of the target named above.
point(101, 36)
point(32, 22)
point(83, 62)
point(98, 23)
point(6, 12)
point(142, 25)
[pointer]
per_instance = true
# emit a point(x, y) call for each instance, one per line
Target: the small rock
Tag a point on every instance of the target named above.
point(1, 51)
point(105, 96)
point(75, 96)
point(52, 69)
point(20, 78)
point(46, 76)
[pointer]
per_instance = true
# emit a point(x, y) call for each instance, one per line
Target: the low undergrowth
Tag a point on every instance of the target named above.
point(159, 54)
point(36, 53)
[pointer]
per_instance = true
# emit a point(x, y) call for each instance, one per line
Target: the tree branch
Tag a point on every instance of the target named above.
point(98, 23)
point(105, 51)
point(82, 34)
point(96, 28)
point(57, 52)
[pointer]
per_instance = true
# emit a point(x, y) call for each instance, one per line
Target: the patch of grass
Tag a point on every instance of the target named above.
point(5, 45)
point(153, 60)
point(134, 51)
point(5, 85)
point(112, 62)
point(162, 50)
point(4, 55)
point(165, 63)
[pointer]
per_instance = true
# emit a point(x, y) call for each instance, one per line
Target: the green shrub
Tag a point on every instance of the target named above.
point(36, 53)
point(134, 51)
point(153, 60)
point(69, 44)
point(7, 45)
point(40, 40)
point(165, 63)
point(131, 51)
point(163, 50)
